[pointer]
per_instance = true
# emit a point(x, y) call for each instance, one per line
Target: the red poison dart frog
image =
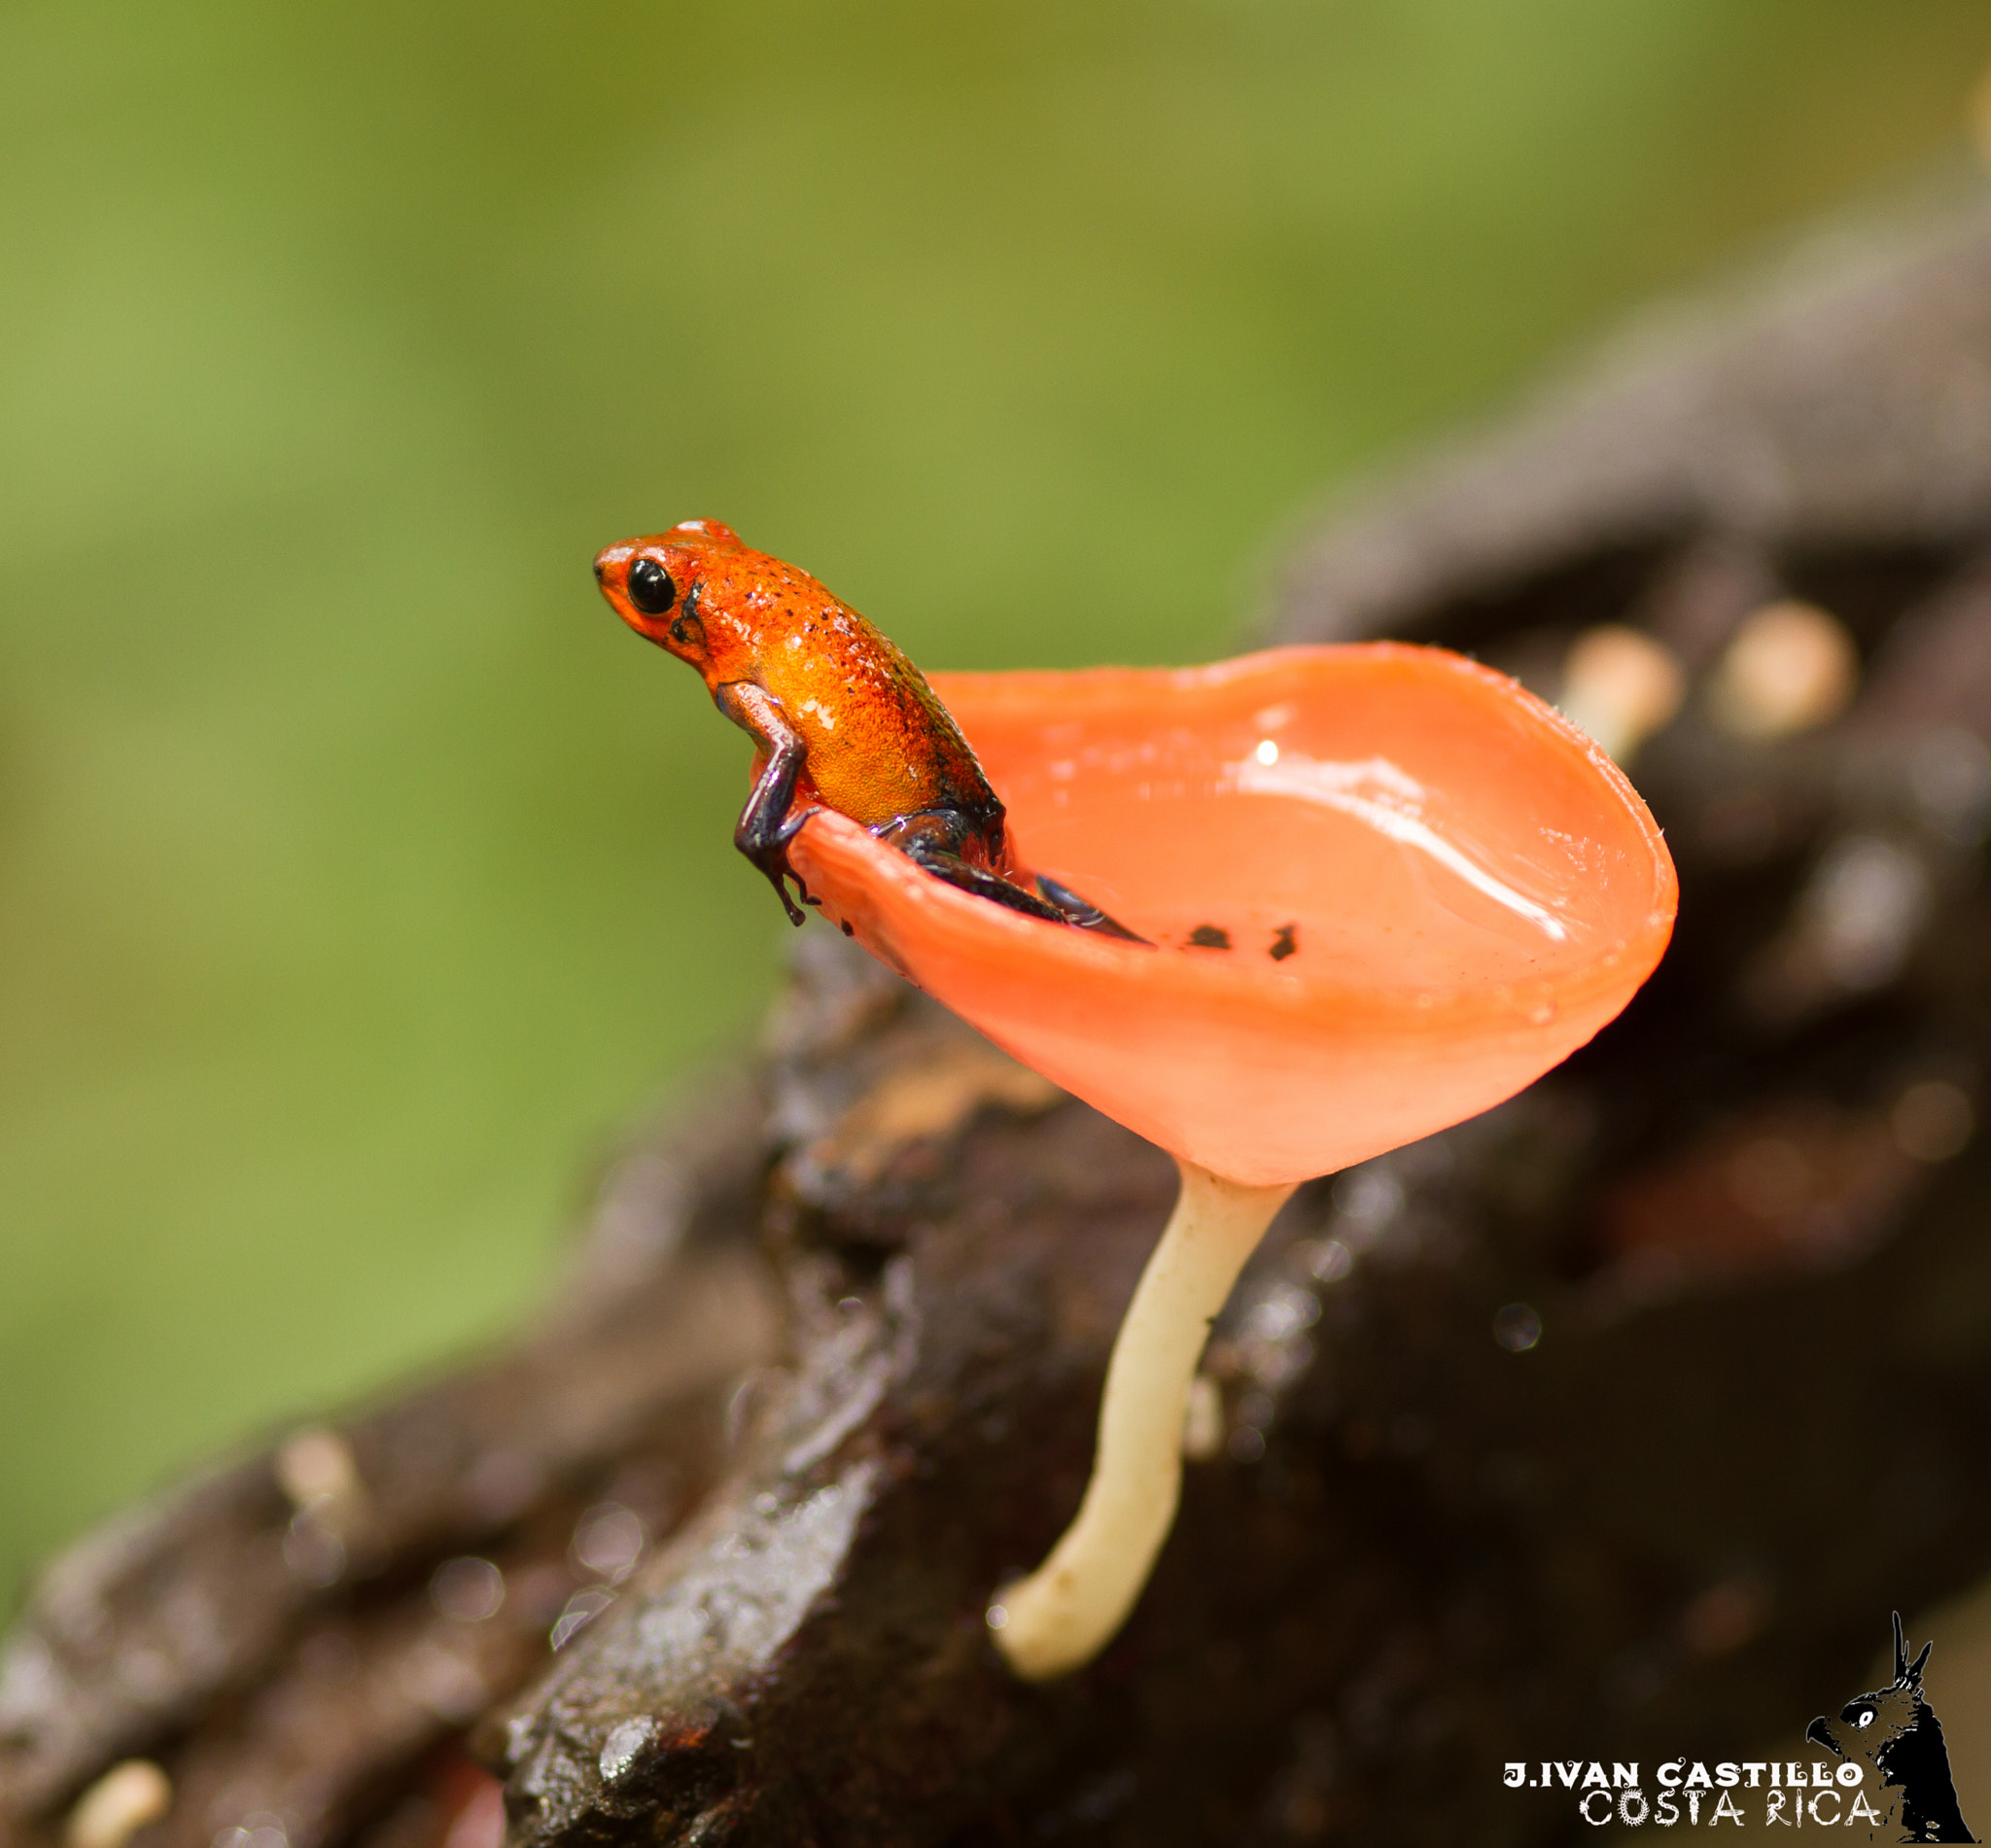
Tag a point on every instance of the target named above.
point(839, 717)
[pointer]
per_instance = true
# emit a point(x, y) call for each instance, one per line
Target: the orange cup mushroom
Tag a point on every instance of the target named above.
point(1382, 889)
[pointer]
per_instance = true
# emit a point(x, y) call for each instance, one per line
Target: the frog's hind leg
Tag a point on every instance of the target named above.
point(931, 840)
point(943, 862)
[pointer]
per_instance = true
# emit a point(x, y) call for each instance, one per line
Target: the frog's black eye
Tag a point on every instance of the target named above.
point(651, 589)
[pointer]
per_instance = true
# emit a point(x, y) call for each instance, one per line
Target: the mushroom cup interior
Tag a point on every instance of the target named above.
point(1385, 889)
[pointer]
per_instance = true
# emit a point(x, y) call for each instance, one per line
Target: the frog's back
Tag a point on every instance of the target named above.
point(881, 745)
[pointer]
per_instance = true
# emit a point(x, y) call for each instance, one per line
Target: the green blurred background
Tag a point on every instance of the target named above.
point(358, 872)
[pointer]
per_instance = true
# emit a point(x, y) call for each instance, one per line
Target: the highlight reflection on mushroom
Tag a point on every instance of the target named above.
point(1385, 889)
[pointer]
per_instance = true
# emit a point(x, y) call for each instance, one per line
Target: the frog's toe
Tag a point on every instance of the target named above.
point(1083, 913)
point(779, 878)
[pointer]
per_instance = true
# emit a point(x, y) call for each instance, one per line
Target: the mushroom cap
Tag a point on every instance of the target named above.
point(1470, 890)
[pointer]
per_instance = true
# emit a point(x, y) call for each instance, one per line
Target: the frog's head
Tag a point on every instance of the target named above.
point(659, 585)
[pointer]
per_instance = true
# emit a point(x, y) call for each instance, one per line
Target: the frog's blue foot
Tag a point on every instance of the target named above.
point(768, 849)
point(932, 840)
point(944, 863)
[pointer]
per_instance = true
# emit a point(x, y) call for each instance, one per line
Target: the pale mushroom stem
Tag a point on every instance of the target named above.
point(1066, 1611)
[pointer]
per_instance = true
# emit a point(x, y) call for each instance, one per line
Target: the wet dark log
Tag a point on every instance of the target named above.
point(1621, 1415)
point(275, 1639)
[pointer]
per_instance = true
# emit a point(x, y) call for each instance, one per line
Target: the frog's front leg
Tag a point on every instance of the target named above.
point(765, 826)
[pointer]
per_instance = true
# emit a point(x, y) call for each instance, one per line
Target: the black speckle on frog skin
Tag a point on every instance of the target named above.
point(1209, 937)
point(1284, 943)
